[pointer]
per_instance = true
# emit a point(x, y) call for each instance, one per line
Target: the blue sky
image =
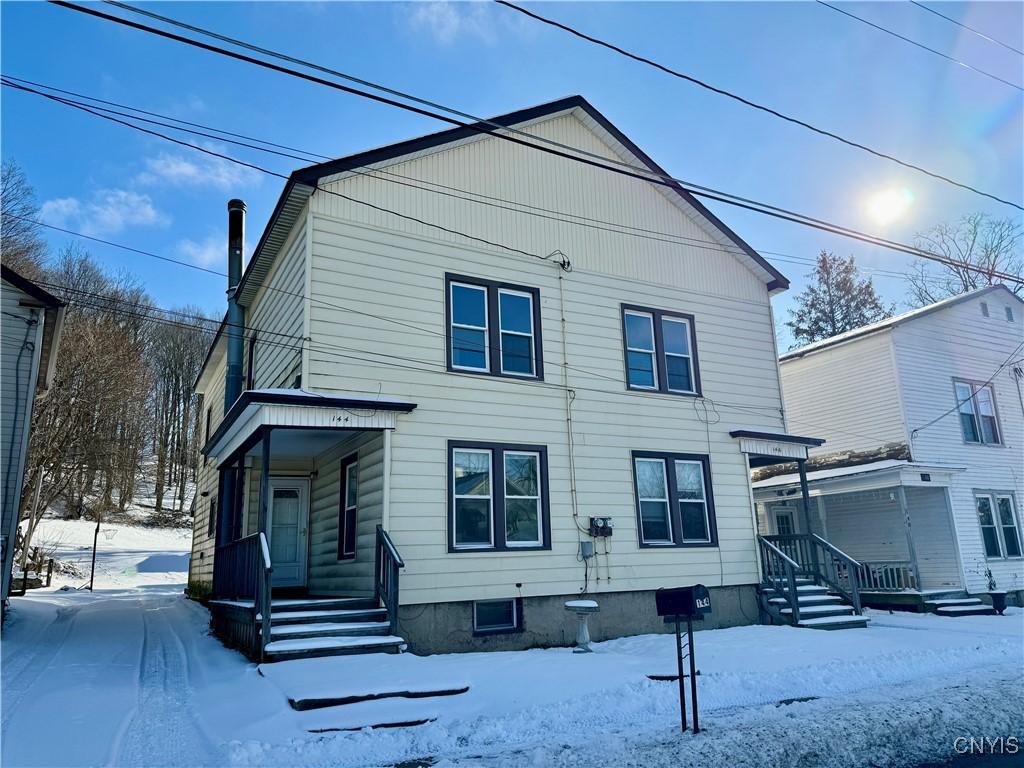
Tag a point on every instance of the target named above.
point(800, 58)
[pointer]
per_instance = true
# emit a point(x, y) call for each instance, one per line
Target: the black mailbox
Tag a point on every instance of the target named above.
point(683, 601)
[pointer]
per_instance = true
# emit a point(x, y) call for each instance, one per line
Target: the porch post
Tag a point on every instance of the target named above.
point(805, 495)
point(264, 483)
point(901, 495)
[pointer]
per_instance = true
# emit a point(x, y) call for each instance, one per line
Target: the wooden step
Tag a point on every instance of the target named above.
point(834, 622)
point(978, 609)
point(815, 611)
point(301, 648)
point(329, 629)
point(805, 599)
point(320, 616)
point(281, 605)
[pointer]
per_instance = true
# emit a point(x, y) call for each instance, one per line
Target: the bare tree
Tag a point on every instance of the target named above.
point(978, 247)
point(20, 243)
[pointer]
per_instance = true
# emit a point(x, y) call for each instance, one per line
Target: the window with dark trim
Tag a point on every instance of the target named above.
point(211, 523)
point(674, 503)
point(493, 328)
point(250, 362)
point(495, 617)
point(497, 497)
point(348, 507)
point(997, 516)
point(660, 351)
point(976, 403)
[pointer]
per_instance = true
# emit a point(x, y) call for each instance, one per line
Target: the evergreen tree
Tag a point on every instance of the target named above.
point(836, 301)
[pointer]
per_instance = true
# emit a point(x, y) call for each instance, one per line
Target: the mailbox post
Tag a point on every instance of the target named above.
point(689, 603)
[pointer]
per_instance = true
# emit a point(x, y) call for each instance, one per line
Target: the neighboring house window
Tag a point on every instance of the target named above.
point(674, 505)
point(348, 506)
point(984, 309)
point(250, 363)
point(498, 497)
point(660, 350)
point(1009, 314)
point(497, 616)
point(977, 405)
point(998, 520)
point(211, 524)
point(493, 328)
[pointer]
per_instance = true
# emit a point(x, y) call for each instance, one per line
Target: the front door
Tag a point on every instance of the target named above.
point(288, 523)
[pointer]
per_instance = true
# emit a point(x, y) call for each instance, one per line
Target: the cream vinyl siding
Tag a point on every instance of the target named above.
point(959, 342)
point(848, 394)
point(277, 315)
point(203, 545)
point(383, 267)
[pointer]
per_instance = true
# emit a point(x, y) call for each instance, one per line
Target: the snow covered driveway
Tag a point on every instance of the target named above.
point(132, 678)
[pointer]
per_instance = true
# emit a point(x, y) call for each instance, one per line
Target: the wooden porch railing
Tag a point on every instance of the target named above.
point(822, 562)
point(242, 572)
point(887, 576)
point(779, 572)
point(387, 562)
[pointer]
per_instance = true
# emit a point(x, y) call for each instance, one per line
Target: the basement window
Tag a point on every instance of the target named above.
point(492, 617)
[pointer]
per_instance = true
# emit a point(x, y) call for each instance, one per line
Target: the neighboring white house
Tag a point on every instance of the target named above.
point(483, 414)
point(29, 335)
point(922, 475)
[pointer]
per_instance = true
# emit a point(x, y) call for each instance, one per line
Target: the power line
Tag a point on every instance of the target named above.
point(747, 102)
point(922, 46)
point(979, 33)
point(481, 126)
point(749, 205)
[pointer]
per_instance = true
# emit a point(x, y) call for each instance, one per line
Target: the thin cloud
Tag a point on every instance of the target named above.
point(107, 211)
point(447, 21)
point(199, 170)
point(211, 252)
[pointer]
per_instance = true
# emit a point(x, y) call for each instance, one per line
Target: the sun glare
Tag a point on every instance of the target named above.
point(887, 205)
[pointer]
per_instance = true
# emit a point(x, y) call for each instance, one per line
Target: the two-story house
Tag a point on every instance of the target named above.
point(505, 378)
point(922, 477)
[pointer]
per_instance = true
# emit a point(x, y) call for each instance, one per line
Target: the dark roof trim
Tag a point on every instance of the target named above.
point(892, 322)
point(258, 397)
point(311, 175)
point(44, 297)
point(778, 437)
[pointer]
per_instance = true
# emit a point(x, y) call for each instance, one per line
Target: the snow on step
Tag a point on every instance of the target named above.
point(341, 614)
point(323, 602)
point(965, 608)
point(809, 600)
point(825, 622)
point(326, 628)
point(960, 601)
point(810, 609)
point(331, 643)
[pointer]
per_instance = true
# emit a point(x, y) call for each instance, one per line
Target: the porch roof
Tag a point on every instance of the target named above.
point(259, 409)
point(766, 448)
point(877, 474)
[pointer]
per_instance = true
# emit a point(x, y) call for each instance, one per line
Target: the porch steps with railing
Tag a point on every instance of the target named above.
point(817, 609)
point(302, 628)
point(967, 606)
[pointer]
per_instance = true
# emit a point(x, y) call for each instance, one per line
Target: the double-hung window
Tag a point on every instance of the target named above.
point(348, 507)
point(498, 497)
point(977, 406)
point(674, 505)
point(1000, 532)
point(493, 328)
point(660, 351)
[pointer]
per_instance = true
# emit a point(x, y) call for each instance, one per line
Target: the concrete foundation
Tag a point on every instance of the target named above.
point(448, 627)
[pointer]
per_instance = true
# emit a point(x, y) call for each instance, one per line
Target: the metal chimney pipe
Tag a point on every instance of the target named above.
point(236, 315)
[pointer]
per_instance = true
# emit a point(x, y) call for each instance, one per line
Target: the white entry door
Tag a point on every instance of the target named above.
point(288, 524)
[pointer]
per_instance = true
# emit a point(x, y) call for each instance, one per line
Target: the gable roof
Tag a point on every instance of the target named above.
point(25, 285)
point(303, 182)
point(892, 322)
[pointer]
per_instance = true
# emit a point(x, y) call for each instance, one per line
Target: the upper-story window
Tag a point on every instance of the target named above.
point(493, 328)
point(674, 505)
point(978, 419)
point(660, 350)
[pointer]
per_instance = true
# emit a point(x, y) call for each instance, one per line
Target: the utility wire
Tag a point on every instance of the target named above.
point(977, 32)
point(752, 104)
point(480, 126)
point(563, 261)
point(922, 46)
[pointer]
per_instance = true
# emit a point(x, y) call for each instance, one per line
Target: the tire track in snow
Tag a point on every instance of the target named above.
point(164, 722)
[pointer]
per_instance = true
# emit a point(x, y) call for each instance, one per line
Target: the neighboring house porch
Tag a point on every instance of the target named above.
point(292, 564)
point(892, 517)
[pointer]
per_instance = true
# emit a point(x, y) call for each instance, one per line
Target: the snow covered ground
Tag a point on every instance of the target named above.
point(126, 555)
point(131, 677)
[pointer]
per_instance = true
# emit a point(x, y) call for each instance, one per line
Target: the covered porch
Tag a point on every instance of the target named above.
point(892, 517)
point(301, 518)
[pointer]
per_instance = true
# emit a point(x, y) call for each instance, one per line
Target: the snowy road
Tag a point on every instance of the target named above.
point(132, 677)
